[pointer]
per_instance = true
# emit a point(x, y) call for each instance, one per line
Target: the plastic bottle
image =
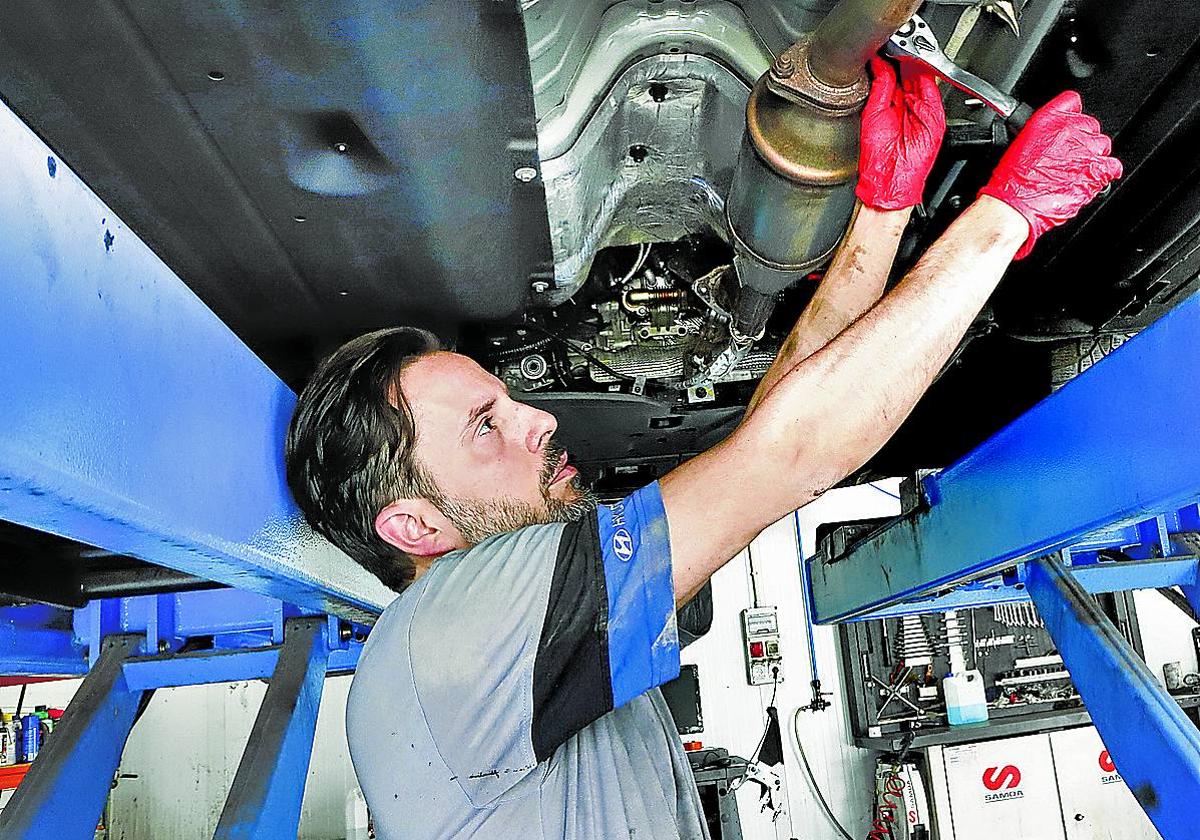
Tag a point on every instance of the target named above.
point(31, 737)
point(357, 819)
point(966, 701)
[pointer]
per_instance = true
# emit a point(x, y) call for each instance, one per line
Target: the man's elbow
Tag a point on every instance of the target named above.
point(794, 467)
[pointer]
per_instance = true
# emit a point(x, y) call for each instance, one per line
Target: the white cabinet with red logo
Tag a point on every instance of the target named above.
point(1050, 786)
point(1096, 802)
point(996, 789)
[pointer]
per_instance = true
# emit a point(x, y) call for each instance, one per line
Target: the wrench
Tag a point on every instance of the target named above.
point(915, 41)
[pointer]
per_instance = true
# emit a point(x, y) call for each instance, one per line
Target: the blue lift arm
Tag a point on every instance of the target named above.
point(1155, 746)
point(134, 420)
point(1115, 454)
point(1118, 443)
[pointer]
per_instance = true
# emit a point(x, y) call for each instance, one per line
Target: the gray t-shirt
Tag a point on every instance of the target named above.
point(511, 692)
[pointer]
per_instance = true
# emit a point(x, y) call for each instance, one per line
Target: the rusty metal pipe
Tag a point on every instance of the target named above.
point(792, 192)
point(851, 33)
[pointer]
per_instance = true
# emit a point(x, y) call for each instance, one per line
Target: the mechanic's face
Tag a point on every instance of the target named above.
point(491, 457)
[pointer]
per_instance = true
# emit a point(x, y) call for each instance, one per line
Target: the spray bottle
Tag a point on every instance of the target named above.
point(966, 701)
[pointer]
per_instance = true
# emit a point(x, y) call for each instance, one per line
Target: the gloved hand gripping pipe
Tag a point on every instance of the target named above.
point(793, 189)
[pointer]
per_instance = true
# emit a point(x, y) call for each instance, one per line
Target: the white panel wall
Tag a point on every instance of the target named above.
point(185, 752)
point(735, 713)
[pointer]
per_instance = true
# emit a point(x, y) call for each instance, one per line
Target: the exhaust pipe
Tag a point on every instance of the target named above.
point(793, 189)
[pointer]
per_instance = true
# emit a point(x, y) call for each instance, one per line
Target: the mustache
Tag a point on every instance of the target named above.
point(550, 459)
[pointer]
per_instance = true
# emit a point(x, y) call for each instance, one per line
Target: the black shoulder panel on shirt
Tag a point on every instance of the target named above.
point(572, 685)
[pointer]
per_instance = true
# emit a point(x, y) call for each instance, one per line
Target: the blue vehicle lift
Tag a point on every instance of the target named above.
point(1099, 469)
point(135, 421)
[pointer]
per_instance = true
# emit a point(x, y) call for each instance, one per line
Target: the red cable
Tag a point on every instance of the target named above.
point(885, 811)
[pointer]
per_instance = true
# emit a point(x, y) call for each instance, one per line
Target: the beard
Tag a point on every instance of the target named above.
point(478, 519)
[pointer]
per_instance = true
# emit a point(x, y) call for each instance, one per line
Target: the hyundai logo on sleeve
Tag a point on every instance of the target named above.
point(622, 544)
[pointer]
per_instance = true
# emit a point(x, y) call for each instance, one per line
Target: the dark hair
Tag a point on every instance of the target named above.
point(350, 447)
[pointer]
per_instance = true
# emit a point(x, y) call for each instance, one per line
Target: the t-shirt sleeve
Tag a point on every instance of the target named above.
point(528, 638)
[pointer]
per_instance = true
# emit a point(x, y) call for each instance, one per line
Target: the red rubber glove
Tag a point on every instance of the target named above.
point(902, 127)
point(1056, 165)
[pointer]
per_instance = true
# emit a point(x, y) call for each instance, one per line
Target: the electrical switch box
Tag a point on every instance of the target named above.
point(760, 640)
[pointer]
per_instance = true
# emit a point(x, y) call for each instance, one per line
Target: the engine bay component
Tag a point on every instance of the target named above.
point(654, 324)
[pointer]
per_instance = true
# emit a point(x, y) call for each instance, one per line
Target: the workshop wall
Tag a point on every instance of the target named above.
point(184, 752)
point(735, 712)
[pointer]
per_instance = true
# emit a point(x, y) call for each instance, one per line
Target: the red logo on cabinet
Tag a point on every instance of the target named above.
point(1008, 776)
point(1106, 762)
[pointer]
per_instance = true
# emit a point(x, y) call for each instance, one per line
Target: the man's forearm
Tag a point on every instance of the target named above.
point(833, 411)
point(853, 284)
point(830, 413)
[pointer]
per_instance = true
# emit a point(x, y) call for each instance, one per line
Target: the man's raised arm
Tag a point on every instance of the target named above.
point(830, 413)
point(902, 128)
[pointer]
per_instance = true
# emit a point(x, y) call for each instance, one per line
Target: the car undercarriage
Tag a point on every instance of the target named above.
point(570, 191)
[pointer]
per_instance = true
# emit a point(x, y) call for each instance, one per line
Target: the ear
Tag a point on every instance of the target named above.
point(417, 528)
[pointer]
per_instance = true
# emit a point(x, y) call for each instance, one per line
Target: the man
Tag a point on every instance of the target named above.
point(510, 691)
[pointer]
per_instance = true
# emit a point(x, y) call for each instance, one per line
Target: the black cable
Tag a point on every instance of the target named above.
point(766, 730)
point(812, 779)
point(771, 705)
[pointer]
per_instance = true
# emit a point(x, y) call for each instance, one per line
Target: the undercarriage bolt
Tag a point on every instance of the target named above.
point(784, 65)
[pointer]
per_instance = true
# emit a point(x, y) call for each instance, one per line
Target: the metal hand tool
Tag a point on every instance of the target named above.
point(893, 692)
point(915, 41)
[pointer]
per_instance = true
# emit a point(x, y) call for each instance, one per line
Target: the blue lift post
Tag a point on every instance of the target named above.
point(1155, 746)
point(264, 802)
point(1093, 465)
